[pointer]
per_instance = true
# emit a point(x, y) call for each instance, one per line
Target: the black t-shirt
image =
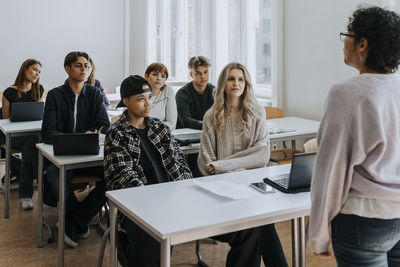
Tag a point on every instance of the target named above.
point(12, 95)
point(150, 160)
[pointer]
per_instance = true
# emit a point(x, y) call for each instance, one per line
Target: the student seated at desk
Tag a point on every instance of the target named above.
point(94, 82)
point(195, 97)
point(235, 138)
point(26, 88)
point(140, 150)
point(162, 95)
point(75, 107)
point(90, 79)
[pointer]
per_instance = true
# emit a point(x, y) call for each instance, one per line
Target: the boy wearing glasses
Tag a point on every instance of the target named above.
point(75, 107)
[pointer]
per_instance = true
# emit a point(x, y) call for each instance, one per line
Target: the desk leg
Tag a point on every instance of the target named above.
point(295, 243)
point(165, 253)
point(7, 185)
point(113, 233)
point(61, 216)
point(302, 242)
point(40, 200)
point(298, 242)
point(294, 144)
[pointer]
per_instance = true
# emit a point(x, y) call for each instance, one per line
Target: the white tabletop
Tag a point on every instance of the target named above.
point(9, 127)
point(48, 152)
point(185, 131)
point(303, 128)
point(182, 211)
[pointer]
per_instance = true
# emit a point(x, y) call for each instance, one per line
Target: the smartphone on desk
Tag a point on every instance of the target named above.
point(263, 187)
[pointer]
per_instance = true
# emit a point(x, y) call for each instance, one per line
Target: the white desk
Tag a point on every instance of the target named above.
point(64, 163)
point(12, 129)
point(185, 212)
point(303, 129)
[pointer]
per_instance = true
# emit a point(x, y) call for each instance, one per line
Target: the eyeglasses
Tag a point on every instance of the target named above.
point(344, 35)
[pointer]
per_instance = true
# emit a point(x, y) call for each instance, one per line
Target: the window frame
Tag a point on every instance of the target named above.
point(211, 21)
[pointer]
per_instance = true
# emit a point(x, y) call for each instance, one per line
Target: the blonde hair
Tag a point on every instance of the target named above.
point(248, 103)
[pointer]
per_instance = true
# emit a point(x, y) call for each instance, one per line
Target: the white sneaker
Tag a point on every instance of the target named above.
point(68, 240)
point(26, 203)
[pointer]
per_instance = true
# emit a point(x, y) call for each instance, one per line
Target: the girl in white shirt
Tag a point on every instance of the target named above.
point(163, 97)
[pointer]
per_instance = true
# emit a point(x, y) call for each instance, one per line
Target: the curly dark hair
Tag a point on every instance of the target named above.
point(381, 28)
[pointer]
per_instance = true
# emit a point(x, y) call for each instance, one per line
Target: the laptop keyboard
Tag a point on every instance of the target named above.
point(282, 180)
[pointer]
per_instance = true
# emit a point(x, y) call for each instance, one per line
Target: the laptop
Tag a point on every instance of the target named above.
point(299, 178)
point(75, 144)
point(187, 139)
point(26, 111)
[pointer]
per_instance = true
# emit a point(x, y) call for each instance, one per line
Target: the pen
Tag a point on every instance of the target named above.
point(99, 130)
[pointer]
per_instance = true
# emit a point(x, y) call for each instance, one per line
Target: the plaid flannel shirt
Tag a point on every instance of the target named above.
point(122, 154)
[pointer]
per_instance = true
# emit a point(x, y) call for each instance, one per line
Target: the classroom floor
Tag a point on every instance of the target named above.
point(18, 237)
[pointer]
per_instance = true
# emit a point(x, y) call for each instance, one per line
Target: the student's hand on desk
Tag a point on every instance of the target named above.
point(211, 169)
point(324, 255)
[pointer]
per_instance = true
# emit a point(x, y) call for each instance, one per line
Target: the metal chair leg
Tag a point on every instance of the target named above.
point(50, 230)
point(103, 247)
point(307, 231)
point(100, 227)
point(200, 261)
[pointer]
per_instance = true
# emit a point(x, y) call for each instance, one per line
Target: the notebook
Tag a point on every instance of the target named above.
point(186, 139)
point(26, 111)
point(299, 178)
point(75, 144)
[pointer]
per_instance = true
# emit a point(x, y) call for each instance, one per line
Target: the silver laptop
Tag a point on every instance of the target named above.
point(299, 178)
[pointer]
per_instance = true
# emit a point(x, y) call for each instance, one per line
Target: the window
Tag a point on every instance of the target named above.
point(266, 25)
point(267, 49)
point(224, 31)
point(234, 21)
point(175, 29)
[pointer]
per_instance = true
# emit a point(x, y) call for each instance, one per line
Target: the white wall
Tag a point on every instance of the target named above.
point(47, 30)
point(138, 36)
point(313, 56)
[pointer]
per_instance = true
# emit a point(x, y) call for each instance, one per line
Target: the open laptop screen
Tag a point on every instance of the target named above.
point(26, 111)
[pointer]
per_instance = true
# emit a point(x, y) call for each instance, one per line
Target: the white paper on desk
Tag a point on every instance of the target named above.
point(275, 129)
point(228, 189)
point(102, 138)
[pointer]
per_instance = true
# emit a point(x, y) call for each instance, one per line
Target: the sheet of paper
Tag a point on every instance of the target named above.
point(228, 189)
point(102, 138)
point(185, 131)
point(275, 129)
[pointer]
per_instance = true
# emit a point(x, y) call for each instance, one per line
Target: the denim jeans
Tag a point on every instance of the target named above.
point(367, 242)
point(29, 168)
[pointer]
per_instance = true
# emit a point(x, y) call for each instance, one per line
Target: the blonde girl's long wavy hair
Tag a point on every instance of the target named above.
point(249, 108)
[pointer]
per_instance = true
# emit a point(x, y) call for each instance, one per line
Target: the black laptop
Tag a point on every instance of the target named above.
point(187, 139)
point(26, 111)
point(76, 144)
point(299, 178)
